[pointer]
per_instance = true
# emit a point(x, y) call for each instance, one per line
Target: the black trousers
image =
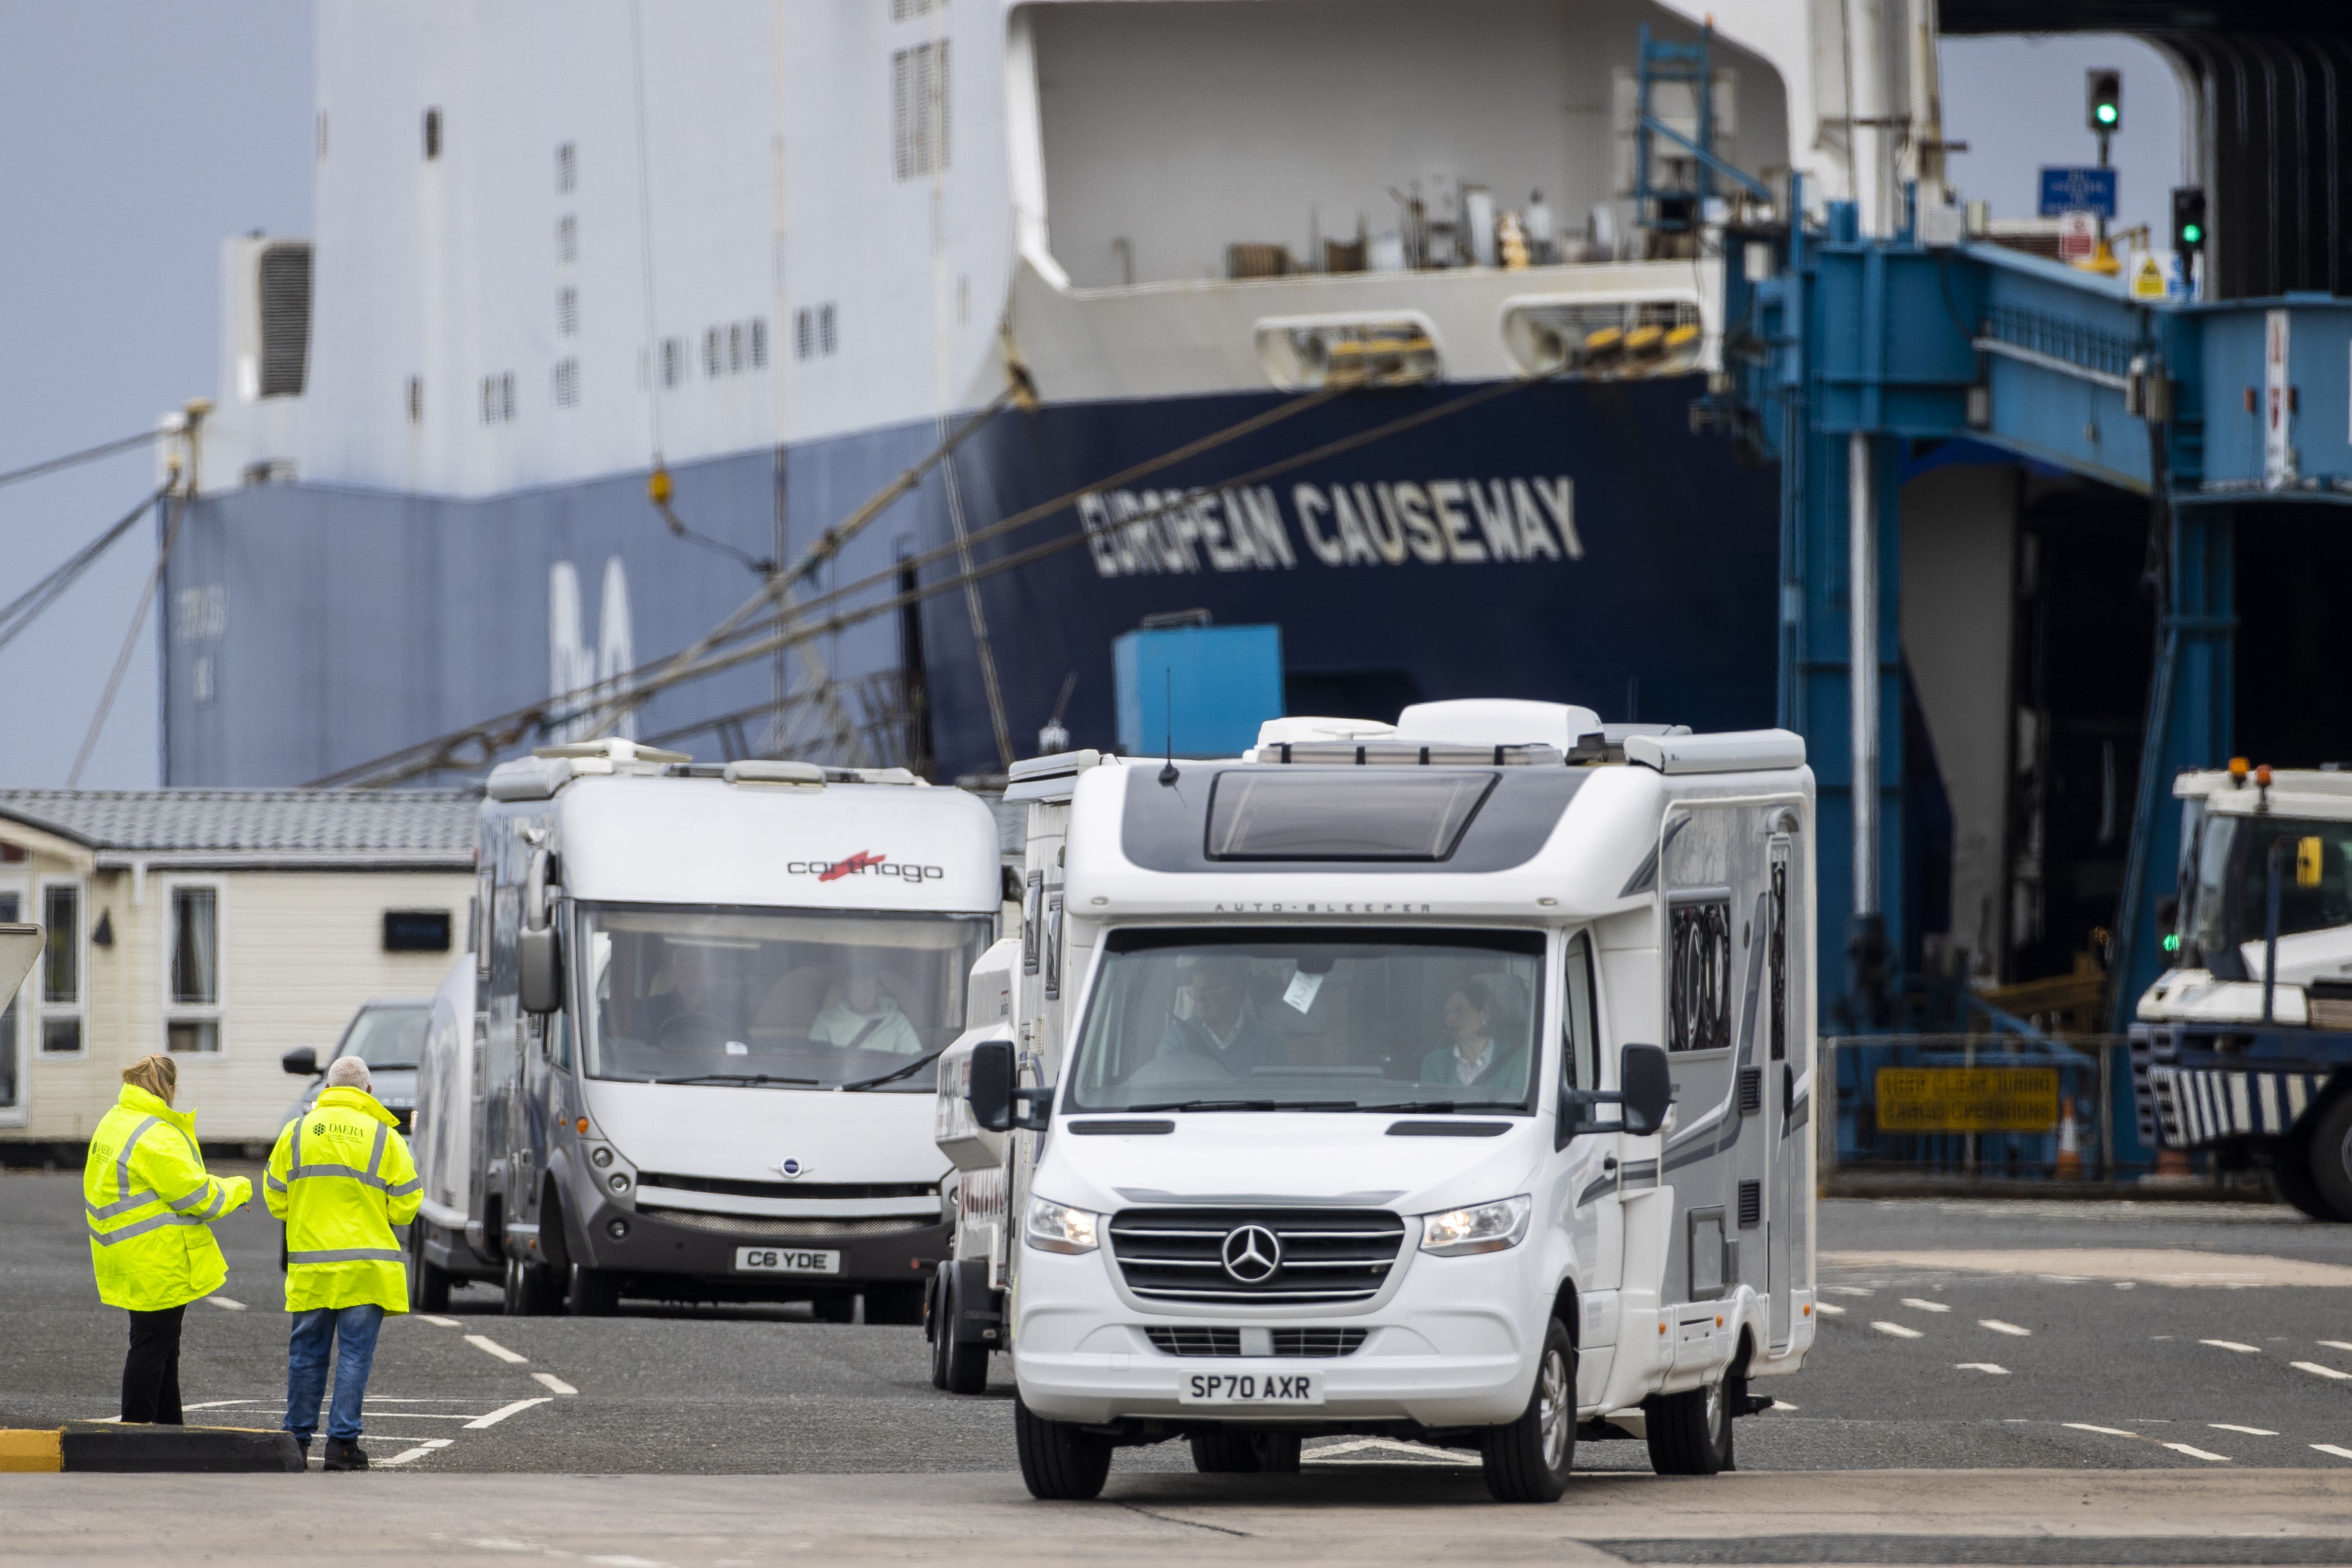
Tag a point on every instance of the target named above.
point(151, 1375)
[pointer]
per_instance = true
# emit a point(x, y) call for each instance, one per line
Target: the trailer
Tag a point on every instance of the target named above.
point(2242, 1047)
point(701, 1028)
point(1448, 1082)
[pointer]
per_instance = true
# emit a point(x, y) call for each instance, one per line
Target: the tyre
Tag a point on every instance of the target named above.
point(896, 1304)
point(533, 1291)
point(935, 1325)
point(2291, 1175)
point(1059, 1462)
point(962, 1366)
point(2330, 1158)
point(1690, 1433)
point(428, 1282)
point(1237, 1453)
point(1528, 1460)
point(591, 1293)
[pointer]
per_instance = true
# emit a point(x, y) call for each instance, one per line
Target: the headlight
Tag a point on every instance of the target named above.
point(1054, 1228)
point(602, 1156)
point(1489, 1227)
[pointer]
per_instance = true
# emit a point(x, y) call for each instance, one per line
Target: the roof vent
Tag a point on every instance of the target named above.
point(1735, 752)
point(792, 776)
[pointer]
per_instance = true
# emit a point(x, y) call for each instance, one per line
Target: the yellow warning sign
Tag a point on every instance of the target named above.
point(2147, 278)
point(1967, 1099)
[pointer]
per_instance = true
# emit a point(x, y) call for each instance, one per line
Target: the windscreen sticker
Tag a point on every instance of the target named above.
point(1300, 992)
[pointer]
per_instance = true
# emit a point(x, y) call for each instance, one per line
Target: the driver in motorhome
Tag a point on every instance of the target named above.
point(859, 1014)
point(1216, 1028)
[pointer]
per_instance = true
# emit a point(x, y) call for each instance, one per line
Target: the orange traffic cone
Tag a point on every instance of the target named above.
point(2070, 1146)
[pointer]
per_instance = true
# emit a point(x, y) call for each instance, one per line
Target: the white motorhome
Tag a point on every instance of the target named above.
point(705, 1003)
point(1447, 1082)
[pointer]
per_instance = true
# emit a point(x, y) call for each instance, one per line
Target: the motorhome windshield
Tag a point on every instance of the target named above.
point(2230, 897)
point(800, 1000)
point(1317, 1020)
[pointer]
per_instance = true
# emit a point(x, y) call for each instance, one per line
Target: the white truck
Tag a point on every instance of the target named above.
point(1448, 1083)
point(2242, 1047)
point(704, 1012)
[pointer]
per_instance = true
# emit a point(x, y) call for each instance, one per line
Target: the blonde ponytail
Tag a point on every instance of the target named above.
point(158, 1075)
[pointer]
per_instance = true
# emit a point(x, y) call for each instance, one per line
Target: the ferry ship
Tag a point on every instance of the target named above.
point(1379, 320)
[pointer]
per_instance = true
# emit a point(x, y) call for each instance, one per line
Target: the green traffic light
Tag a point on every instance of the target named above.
point(2171, 941)
point(2193, 234)
point(2106, 114)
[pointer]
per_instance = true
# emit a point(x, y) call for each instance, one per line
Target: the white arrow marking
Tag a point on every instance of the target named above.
point(501, 1414)
point(553, 1383)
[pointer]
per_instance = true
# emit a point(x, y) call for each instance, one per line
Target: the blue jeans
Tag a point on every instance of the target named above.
point(315, 1332)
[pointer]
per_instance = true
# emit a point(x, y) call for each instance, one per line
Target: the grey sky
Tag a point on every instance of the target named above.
point(142, 132)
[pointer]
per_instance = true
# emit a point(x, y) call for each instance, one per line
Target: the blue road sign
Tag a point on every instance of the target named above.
point(2078, 190)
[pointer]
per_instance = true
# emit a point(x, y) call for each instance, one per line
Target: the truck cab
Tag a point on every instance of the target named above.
point(1447, 1082)
point(2242, 1047)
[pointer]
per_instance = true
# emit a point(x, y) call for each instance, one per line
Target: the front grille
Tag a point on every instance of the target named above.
point(1325, 1256)
point(1207, 1341)
point(770, 1227)
point(834, 1190)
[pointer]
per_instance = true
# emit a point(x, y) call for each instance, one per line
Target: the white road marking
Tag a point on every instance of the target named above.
point(484, 1342)
point(501, 1414)
point(1900, 1330)
point(1995, 1368)
point(2248, 1431)
point(2196, 1453)
point(444, 1323)
point(1924, 1304)
point(240, 1307)
point(1997, 1326)
point(1832, 1309)
point(218, 1403)
point(2126, 1284)
point(1389, 1446)
point(621, 1560)
point(553, 1383)
point(417, 1415)
point(2332, 1448)
point(2316, 1370)
point(2232, 1345)
point(2110, 1431)
point(1849, 1290)
point(2337, 1344)
point(1782, 1405)
point(418, 1452)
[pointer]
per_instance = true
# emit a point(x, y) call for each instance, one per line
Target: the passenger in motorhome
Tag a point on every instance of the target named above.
point(1471, 1056)
point(695, 1005)
point(1217, 1029)
point(859, 1014)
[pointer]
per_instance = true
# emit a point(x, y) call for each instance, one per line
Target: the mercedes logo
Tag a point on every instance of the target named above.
point(1252, 1254)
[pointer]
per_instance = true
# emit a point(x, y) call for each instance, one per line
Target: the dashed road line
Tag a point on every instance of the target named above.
point(2232, 1345)
point(2337, 1344)
point(484, 1342)
point(1997, 1326)
point(1831, 1307)
point(553, 1383)
point(2332, 1448)
point(2316, 1370)
point(1900, 1330)
point(240, 1307)
point(2196, 1453)
point(1849, 1290)
point(1782, 1405)
point(1993, 1368)
point(418, 1452)
point(2248, 1431)
point(1924, 1306)
point(2108, 1431)
point(480, 1422)
point(444, 1323)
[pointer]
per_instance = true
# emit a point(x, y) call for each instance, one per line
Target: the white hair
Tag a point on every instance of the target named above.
point(350, 1072)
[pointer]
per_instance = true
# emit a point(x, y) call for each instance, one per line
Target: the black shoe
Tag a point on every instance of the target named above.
point(344, 1454)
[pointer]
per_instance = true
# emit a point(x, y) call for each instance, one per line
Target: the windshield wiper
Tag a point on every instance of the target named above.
point(736, 1078)
point(1247, 1105)
point(895, 1074)
point(1444, 1105)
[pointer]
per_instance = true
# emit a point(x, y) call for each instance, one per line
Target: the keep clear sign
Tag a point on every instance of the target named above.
point(1967, 1099)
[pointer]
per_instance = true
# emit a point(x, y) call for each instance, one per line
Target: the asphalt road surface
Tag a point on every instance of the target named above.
point(1966, 1335)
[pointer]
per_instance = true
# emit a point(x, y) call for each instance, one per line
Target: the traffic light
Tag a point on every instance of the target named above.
point(2189, 219)
point(2107, 105)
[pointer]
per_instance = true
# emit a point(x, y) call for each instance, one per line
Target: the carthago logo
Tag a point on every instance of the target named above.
point(865, 863)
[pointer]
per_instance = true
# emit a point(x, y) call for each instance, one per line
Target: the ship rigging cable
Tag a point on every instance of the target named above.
point(87, 455)
point(26, 606)
point(130, 638)
point(449, 752)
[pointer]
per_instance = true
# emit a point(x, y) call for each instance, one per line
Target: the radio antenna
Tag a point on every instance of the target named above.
point(1168, 774)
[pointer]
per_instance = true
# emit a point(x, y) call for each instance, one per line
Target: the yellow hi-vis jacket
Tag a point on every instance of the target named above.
point(340, 1178)
point(149, 1204)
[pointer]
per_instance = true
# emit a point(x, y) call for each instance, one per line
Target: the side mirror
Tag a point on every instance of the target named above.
point(540, 983)
point(302, 1061)
point(990, 1090)
point(1646, 1087)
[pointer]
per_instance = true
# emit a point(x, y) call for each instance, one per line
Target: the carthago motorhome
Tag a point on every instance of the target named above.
point(706, 1007)
point(1449, 1083)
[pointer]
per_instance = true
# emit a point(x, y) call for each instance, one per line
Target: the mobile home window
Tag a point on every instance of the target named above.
point(61, 1022)
point(192, 1018)
point(1698, 979)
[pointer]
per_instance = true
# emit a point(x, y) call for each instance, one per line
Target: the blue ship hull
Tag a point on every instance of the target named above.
point(1564, 541)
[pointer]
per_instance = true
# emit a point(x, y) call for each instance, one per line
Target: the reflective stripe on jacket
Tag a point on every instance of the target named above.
point(340, 1178)
point(148, 1203)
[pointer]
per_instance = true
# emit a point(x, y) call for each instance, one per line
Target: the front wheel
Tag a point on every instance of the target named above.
point(1059, 1462)
point(1528, 1460)
point(591, 1293)
point(2330, 1158)
point(959, 1365)
point(1690, 1433)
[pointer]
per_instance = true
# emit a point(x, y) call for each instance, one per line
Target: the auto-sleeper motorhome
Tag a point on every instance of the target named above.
point(705, 1003)
point(1448, 1082)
